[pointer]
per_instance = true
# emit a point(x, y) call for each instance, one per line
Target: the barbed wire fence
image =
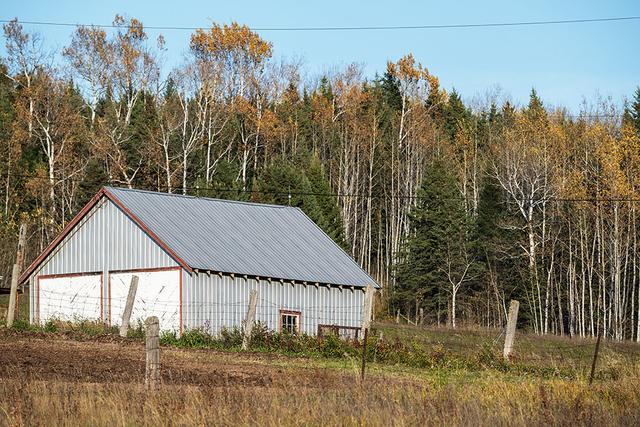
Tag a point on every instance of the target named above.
point(317, 319)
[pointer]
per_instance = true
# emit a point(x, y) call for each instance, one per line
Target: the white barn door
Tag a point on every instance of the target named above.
point(158, 295)
point(69, 298)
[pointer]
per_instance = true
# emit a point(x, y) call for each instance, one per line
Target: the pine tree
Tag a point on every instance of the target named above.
point(330, 221)
point(389, 91)
point(455, 114)
point(535, 110)
point(439, 247)
point(633, 110)
point(285, 183)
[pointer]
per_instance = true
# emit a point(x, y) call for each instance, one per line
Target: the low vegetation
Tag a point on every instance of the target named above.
point(393, 348)
point(415, 375)
point(84, 373)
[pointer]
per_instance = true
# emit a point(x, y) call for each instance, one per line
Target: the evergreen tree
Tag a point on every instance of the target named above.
point(435, 251)
point(535, 110)
point(633, 111)
point(330, 221)
point(455, 114)
point(390, 91)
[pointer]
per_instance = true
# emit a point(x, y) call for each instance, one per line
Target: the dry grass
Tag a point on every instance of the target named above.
point(377, 403)
point(59, 380)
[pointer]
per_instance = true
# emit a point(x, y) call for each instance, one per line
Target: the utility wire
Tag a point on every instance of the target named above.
point(212, 190)
point(362, 28)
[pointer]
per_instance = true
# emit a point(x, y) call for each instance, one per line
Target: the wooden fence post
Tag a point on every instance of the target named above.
point(421, 316)
point(364, 354)
point(398, 316)
point(15, 273)
point(367, 308)
point(249, 319)
point(367, 314)
point(511, 328)
point(595, 357)
point(128, 308)
point(152, 372)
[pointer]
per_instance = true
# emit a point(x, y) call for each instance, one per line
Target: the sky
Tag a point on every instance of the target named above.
point(567, 64)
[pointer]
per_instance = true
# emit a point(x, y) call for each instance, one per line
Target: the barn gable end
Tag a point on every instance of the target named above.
point(104, 239)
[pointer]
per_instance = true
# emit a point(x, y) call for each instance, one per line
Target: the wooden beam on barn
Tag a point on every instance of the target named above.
point(15, 273)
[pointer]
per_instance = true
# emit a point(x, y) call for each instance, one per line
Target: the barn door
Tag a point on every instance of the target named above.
point(69, 297)
point(158, 295)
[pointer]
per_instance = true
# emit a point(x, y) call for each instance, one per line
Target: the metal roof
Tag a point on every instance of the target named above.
point(243, 238)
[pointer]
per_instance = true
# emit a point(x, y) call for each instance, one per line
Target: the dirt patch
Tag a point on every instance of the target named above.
point(111, 360)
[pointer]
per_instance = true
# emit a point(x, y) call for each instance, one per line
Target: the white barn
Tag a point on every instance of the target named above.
point(197, 260)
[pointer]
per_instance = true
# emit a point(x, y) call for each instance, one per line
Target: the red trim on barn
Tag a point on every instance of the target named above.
point(144, 270)
point(290, 313)
point(37, 313)
point(146, 229)
point(58, 276)
point(180, 302)
point(70, 226)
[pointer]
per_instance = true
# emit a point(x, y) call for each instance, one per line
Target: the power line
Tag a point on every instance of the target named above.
point(238, 191)
point(362, 28)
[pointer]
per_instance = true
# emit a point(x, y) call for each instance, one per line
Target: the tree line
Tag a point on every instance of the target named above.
point(454, 207)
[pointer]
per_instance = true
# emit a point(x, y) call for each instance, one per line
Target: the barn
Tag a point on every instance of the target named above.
point(197, 260)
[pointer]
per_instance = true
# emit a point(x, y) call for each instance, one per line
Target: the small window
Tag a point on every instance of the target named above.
point(289, 321)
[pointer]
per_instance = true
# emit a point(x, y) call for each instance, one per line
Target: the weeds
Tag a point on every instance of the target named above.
point(415, 353)
point(384, 402)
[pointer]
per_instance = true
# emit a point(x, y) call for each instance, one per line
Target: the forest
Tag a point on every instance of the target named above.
point(454, 206)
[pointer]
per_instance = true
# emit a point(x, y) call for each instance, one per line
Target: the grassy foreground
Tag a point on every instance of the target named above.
point(87, 376)
point(379, 402)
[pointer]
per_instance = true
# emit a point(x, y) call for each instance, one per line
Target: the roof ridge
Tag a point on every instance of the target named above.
point(212, 199)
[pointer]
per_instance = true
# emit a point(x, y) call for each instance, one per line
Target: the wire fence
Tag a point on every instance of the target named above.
point(211, 316)
point(345, 321)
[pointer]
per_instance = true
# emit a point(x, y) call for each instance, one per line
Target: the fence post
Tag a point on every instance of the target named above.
point(364, 355)
point(152, 372)
point(421, 316)
point(398, 316)
point(15, 273)
point(367, 312)
point(595, 356)
point(250, 319)
point(128, 308)
point(511, 328)
point(367, 308)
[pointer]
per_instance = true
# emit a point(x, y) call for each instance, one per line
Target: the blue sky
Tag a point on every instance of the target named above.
point(565, 63)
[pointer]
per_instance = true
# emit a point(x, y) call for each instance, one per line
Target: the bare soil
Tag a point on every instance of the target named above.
point(108, 359)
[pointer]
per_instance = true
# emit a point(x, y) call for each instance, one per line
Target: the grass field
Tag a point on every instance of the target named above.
point(90, 377)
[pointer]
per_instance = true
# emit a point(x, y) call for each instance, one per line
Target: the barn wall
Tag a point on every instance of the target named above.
point(212, 301)
point(106, 239)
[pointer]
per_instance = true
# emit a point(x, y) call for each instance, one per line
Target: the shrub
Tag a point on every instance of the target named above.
point(196, 338)
point(230, 337)
point(169, 338)
point(24, 326)
point(137, 331)
point(51, 326)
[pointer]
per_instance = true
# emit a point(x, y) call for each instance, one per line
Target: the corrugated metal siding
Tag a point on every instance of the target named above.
point(106, 239)
point(243, 238)
point(212, 302)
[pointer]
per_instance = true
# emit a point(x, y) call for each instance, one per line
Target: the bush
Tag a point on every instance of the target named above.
point(169, 338)
point(137, 331)
point(196, 338)
point(230, 337)
point(24, 326)
point(51, 326)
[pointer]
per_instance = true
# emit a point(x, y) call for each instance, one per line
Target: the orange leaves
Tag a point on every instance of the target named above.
point(234, 41)
point(407, 69)
point(415, 81)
